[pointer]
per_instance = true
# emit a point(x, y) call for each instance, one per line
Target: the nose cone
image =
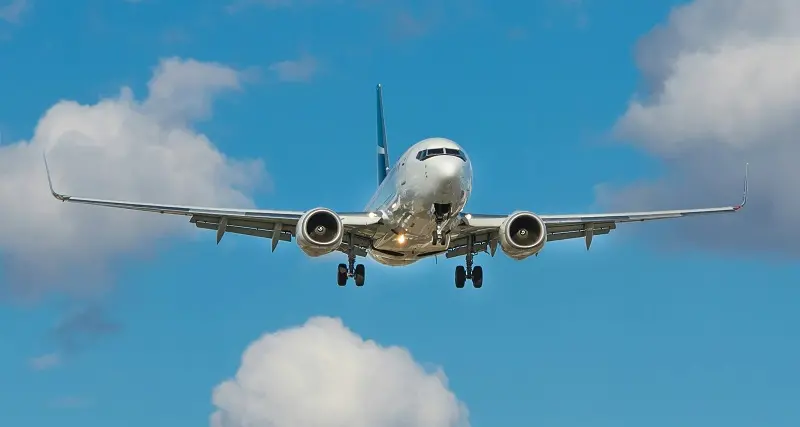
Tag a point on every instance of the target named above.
point(449, 175)
point(449, 168)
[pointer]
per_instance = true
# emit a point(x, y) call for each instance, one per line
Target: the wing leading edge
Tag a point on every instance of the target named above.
point(279, 225)
point(481, 231)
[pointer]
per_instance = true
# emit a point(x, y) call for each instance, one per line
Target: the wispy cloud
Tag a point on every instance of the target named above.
point(578, 7)
point(73, 333)
point(517, 33)
point(45, 362)
point(403, 19)
point(238, 5)
point(408, 25)
point(81, 327)
point(12, 12)
point(408, 22)
point(175, 36)
point(299, 70)
point(70, 402)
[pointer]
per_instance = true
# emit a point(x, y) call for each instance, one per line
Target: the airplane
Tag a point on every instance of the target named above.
point(417, 212)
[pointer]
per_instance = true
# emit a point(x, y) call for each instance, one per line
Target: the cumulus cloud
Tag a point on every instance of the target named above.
point(321, 374)
point(723, 80)
point(116, 148)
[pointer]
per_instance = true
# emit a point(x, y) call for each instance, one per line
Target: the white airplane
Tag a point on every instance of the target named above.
point(416, 212)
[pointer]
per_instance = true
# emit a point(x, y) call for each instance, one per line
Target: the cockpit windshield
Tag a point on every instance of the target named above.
point(433, 152)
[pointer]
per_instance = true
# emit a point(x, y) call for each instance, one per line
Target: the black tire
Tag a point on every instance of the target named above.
point(341, 275)
point(461, 276)
point(477, 277)
point(360, 275)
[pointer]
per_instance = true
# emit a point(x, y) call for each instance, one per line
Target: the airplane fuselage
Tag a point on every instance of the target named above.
point(426, 189)
point(416, 210)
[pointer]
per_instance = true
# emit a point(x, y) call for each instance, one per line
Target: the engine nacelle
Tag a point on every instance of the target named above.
point(522, 234)
point(319, 232)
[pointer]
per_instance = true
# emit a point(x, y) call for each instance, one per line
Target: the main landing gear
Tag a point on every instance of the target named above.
point(346, 271)
point(469, 273)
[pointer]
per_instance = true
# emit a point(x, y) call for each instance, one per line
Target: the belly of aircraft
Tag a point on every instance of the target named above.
point(417, 243)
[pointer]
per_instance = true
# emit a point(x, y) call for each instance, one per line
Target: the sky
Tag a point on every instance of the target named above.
point(564, 106)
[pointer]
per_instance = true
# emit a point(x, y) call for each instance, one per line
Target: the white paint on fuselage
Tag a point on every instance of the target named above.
point(405, 201)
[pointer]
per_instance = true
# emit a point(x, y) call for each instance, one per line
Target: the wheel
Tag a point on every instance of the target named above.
point(477, 276)
point(461, 276)
point(359, 276)
point(341, 275)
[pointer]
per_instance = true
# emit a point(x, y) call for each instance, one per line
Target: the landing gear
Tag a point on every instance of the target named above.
point(441, 211)
point(438, 235)
point(469, 273)
point(346, 271)
point(461, 276)
point(477, 276)
point(359, 275)
point(341, 275)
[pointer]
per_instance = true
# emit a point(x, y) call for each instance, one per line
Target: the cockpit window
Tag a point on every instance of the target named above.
point(432, 152)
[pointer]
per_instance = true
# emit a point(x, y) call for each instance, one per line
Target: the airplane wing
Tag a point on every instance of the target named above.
point(274, 224)
point(482, 231)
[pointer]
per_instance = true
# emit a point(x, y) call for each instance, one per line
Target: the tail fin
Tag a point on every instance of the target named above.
point(383, 146)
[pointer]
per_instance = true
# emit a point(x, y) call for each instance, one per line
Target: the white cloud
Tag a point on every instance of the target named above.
point(725, 89)
point(299, 70)
point(116, 148)
point(45, 362)
point(12, 10)
point(238, 5)
point(70, 402)
point(322, 374)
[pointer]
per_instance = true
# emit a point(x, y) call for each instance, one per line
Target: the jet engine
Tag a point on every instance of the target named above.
point(522, 234)
point(319, 232)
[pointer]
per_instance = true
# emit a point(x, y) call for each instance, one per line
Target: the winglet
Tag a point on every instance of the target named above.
point(50, 181)
point(744, 194)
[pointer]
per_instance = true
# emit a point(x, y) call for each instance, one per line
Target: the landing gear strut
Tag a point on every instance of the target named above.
point(469, 273)
point(440, 211)
point(346, 271)
point(438, 235)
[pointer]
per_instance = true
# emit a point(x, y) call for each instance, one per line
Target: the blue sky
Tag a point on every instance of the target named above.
point(633, 332)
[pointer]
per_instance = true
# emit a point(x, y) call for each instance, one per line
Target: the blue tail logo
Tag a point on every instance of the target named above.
point(383, 148)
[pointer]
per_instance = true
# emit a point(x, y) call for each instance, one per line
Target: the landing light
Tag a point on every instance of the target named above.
point(401, 238)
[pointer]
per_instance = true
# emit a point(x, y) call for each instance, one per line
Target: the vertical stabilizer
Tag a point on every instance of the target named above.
point(383, 146)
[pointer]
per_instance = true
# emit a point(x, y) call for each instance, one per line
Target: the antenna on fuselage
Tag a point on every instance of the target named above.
point(383, 146)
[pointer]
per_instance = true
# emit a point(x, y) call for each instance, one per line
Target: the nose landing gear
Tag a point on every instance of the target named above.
point(441, 211)
point(438, 235)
